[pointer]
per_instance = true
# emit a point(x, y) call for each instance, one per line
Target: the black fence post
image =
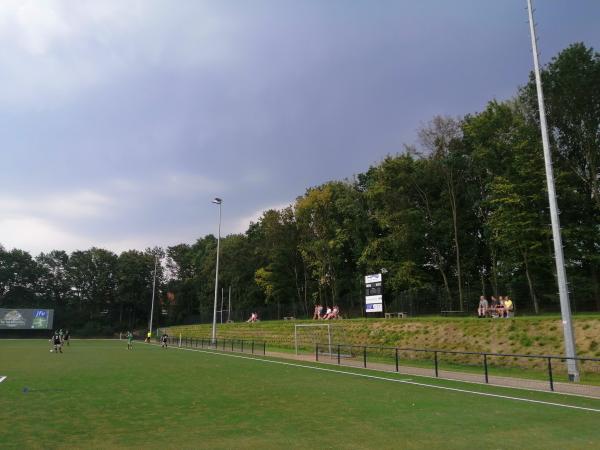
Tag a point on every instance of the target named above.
point(317, 351)
point(338, 354)
point(396, 359)
point(224, 342)
point(365, 357)
point(485, 367)
point(264, 348)
point(436, 363)
point(550, 374)
point(242, 344)
point(232, 345)
point(253, 347)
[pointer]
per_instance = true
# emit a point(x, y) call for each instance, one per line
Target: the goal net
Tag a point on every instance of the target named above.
point(306, 336)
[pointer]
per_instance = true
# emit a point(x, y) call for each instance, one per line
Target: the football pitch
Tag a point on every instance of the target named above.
point(97, 394)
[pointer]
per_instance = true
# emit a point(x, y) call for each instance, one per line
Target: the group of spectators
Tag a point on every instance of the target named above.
point(330, 312)
point(496, 307)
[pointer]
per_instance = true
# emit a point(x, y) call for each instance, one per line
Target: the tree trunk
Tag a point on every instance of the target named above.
point(305, 286)
point(494, 274)
point(299, 291)
point(446, 286)
point(482, 283)
point(536, 306)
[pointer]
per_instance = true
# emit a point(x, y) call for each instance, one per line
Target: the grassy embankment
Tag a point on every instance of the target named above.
point(528, 335)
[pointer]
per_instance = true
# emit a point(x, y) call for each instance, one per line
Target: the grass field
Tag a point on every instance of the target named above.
point(100, 395)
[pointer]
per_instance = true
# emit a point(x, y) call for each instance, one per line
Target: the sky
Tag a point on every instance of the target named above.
point(121, 120)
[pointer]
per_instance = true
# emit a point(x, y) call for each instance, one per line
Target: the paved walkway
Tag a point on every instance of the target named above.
point(524, 383)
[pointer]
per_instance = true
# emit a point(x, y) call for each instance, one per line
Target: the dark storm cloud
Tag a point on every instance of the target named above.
point(120, 123)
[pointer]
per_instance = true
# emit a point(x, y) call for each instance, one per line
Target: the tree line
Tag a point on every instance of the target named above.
point(461, 213)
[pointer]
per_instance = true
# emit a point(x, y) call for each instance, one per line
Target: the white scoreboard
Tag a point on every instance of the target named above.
point(373, 293)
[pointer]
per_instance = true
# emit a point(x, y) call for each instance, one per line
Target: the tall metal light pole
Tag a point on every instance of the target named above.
point(153, 291)
point(561, 274)
point(217, 201)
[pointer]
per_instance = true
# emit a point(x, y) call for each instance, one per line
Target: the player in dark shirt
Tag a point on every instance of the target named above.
point(164, 341)
point(66, 337)
point(56, 342)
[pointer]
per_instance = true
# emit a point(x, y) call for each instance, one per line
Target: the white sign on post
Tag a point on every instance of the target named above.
point(373, 297)
point(375, 307)
point(375, 278)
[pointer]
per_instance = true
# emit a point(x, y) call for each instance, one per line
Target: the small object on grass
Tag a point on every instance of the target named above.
point(25, 390)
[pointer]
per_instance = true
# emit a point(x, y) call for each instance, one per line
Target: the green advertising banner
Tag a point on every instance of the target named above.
point(26, 319)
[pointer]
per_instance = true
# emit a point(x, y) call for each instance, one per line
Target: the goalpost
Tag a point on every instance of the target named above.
point(327, 325)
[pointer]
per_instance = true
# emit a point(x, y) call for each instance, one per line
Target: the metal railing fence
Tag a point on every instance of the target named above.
point(486, 367)
point(251, 346)
point(437, 360)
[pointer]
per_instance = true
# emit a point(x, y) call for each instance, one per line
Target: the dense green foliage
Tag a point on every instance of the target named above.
point(97, 394)
point(463, 213)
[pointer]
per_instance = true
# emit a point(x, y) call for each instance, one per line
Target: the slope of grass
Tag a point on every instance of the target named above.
point(539, 335)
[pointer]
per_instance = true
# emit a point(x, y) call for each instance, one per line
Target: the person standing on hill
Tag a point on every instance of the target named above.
point(483, 307)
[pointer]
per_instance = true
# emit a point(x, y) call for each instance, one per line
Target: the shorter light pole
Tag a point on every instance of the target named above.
point(153, 291)
point(216, 201)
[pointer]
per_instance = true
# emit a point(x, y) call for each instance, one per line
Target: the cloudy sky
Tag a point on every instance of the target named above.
point(121, 120)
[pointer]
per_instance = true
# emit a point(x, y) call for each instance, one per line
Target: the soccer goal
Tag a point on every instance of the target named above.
point(312, 334)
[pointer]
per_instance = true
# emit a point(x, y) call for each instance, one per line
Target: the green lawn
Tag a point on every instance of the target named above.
point(99, 395)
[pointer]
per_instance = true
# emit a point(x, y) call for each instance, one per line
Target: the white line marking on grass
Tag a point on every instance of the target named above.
point(2, 379)
point(396, 380)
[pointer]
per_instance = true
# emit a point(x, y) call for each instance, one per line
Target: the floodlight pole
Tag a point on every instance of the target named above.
point(153, 291)
point(561, 274)
point(217, 201)
point(229, 307)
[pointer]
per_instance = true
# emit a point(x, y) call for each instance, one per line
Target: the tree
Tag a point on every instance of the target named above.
point(93, 277)
point(442, 139)
point(18, 277)
point(331, 220)
point(571, 84)
point(53, 283)
point(507, 157)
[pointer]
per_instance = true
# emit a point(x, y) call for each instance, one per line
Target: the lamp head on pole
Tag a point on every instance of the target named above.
point(217, 201)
